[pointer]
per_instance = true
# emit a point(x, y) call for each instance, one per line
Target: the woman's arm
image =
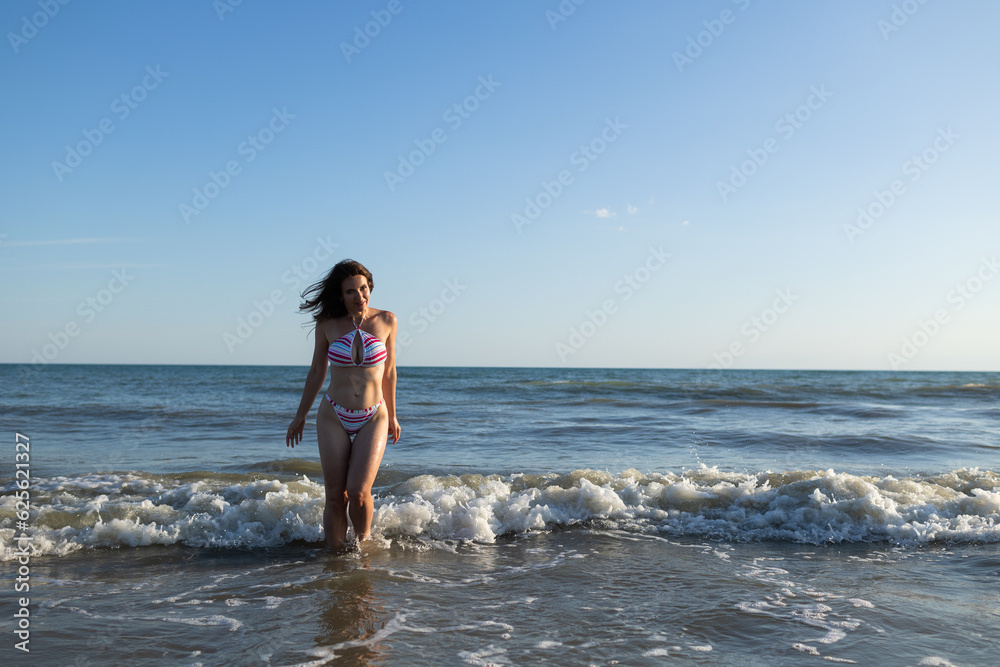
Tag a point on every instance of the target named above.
point(389, 378)
point(314, 382)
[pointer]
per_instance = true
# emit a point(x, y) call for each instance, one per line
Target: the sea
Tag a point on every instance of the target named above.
point(527, 516)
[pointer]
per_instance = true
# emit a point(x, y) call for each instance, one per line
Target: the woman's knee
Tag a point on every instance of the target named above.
point(336, 500)
point(358, 495)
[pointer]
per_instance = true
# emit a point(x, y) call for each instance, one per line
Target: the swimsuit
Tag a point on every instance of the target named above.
point(353, 420)
point(343, 351)
point(369, 351)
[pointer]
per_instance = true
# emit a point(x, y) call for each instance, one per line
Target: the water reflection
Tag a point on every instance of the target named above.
point(353, 615)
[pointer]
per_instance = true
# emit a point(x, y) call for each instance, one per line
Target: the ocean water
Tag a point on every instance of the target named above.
point(527, 516)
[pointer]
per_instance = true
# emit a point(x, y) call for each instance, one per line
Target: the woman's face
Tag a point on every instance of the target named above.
point(355, 293)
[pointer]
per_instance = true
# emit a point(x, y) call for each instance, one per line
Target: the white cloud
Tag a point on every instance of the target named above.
point(633, 209)
point(605, 213)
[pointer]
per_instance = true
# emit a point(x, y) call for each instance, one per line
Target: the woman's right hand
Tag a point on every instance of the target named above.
point(295, 429)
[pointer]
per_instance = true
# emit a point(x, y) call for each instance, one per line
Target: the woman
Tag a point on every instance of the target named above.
point(359, 342)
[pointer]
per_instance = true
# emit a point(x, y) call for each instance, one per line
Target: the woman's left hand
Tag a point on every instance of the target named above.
point(394, 430)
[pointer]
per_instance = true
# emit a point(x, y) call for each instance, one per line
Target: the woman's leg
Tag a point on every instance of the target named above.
point(365, 457)
point(334, 457)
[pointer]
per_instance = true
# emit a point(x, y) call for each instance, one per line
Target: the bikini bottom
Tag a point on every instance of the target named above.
point(353, 420)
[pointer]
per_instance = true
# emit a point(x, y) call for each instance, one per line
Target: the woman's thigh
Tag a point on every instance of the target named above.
point(367, 450)
point(334, 448)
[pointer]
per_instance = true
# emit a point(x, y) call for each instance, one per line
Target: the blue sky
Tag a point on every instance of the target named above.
point(627, 184)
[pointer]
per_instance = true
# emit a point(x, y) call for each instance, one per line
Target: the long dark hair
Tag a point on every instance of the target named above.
point(327, 300)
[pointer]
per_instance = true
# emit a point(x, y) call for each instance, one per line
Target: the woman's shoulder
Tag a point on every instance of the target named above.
point(329, 326)
point(386, 317)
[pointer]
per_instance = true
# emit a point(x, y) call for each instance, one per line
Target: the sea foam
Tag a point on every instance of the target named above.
point(231, 510)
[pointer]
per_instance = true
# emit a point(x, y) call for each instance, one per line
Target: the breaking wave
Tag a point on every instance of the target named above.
point(247, 510)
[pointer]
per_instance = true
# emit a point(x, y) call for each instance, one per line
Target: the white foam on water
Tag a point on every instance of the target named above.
point(806, 506)
point(108, 510)
point(814, 507)
point(801, 605)
point(129, 621)
point(833, 636)
point(326, 654)
point(485, 657)
point(216, 619)
point(762, 607)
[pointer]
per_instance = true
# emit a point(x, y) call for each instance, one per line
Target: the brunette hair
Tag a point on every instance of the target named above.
point(326, 300)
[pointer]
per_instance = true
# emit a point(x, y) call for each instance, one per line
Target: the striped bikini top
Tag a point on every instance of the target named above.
point(370, 351)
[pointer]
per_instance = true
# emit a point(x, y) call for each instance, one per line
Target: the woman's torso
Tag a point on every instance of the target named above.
point(356, 386)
